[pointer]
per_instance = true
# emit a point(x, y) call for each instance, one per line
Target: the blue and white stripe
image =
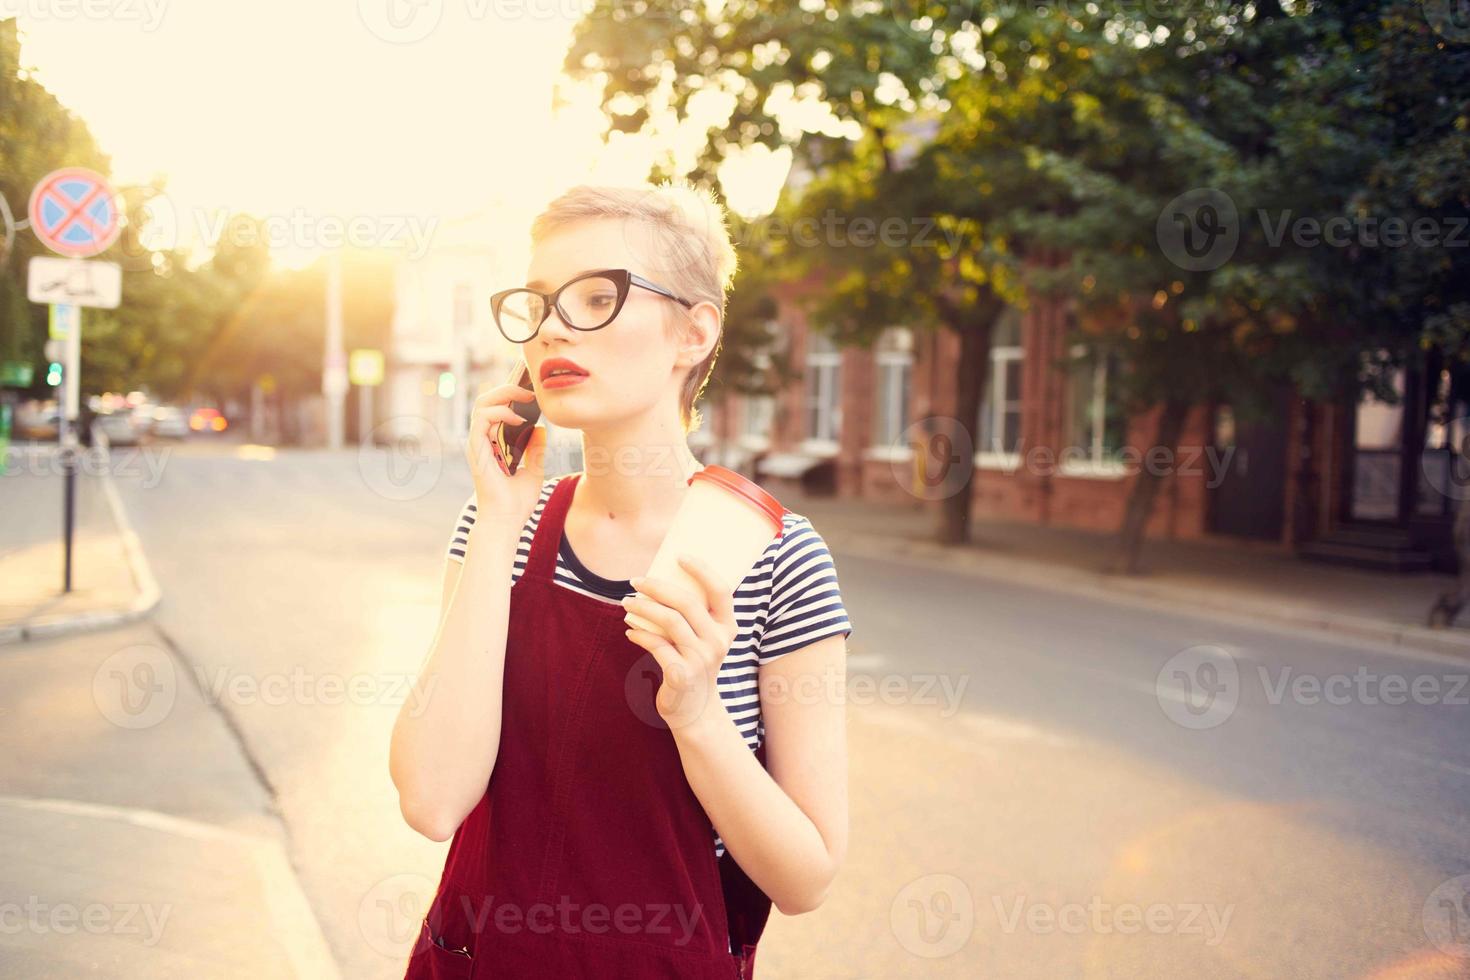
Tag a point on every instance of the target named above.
point(790, 599)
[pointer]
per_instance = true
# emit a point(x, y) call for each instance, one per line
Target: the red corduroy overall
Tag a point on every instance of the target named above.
point(589, 855)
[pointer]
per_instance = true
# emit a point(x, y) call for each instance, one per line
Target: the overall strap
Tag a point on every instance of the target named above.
point(546, 542)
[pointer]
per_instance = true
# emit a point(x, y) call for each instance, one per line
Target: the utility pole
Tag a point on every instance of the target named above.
point(334, 361)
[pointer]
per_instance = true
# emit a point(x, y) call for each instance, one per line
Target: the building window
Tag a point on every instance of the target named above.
point(895, 367)
point(760, 413)
point(823, 391)
point(999, 425)
point(1096, 426)
point(1378, 452)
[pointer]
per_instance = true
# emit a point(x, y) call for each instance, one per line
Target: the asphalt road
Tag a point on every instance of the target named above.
point(1043, 785)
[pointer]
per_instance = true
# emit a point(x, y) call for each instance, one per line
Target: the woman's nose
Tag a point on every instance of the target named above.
point(555, 325)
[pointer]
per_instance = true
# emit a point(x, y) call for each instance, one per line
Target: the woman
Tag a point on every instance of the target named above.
point(620, 805)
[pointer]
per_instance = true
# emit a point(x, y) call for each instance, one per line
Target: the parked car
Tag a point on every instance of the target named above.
point(142, 417)
point(33, 421)
point(207, 420)
point(169, 423)
point(119, 428)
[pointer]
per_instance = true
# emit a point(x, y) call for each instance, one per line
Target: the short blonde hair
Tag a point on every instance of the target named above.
point(694, 256)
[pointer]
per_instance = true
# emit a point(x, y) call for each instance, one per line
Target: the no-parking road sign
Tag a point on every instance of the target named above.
point(73, 212)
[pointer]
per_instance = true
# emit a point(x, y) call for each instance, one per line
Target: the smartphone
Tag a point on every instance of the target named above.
point(510, 441)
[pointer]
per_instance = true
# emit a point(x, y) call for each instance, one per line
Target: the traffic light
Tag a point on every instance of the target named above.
point(53, 374)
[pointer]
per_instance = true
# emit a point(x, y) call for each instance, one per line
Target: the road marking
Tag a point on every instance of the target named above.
point(1009, 730)
point(865, 662)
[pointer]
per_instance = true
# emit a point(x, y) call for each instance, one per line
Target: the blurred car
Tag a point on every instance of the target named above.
point(142, 417)
point(33, 421)
point(169, 423)
point(207, 420)
point(119, 428)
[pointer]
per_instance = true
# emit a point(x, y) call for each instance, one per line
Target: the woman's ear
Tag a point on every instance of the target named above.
point(700, 333)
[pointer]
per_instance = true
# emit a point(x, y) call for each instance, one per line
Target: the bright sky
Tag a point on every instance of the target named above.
point(398, 114)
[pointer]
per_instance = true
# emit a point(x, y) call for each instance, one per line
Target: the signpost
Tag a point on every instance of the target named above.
point(365, 369)
point(73, 212)
point(73, 282)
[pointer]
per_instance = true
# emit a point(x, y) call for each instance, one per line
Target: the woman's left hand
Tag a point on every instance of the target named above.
point(699, 629)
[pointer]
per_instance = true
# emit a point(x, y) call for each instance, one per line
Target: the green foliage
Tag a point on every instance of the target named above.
point(37, 135)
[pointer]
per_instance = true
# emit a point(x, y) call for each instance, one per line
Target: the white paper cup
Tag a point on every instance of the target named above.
point(724, 519)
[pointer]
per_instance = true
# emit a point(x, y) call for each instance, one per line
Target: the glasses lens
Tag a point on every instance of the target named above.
point(590, 303)
point(519, 315)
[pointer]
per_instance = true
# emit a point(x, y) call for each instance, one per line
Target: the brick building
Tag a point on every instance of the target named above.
point(1367, 484)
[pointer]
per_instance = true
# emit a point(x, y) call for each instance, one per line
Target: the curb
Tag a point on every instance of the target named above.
point(296, 925)
point(1057, 578)
point(149, 594)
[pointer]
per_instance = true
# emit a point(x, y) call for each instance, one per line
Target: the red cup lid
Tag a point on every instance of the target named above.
point(751, 493)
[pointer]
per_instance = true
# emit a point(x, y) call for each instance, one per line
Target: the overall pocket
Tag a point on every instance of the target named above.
point(436, 959)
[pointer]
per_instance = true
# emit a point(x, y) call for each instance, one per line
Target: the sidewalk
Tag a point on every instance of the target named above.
point(1245, 579)
point(111, 583)
point(136, 839)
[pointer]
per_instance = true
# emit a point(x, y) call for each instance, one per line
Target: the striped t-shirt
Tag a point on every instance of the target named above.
point(789, 599)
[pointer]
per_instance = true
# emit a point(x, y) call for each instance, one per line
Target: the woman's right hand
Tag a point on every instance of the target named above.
point(498, 497)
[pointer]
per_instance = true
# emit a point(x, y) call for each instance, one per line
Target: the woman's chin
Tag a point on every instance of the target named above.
point(569, 411)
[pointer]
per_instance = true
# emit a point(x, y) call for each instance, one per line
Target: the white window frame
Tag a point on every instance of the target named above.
point(1095, 467)
point(755, 427)
point(823, 391)
point(895, 356)
point(998, 399)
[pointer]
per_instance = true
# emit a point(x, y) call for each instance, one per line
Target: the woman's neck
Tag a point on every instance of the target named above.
point(634, 488)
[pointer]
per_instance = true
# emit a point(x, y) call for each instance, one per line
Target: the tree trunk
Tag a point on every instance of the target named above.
point(1442, 614)
point(971, 375)
point(1146, 488)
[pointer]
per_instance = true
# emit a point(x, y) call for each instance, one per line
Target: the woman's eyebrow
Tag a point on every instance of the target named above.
point(539, 284)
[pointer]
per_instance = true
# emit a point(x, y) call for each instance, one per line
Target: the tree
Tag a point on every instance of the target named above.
point(1199, 119)
point(37, 135)
point(922, 158)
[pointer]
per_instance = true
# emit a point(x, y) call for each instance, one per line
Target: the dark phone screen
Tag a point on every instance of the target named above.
point(515, 438)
